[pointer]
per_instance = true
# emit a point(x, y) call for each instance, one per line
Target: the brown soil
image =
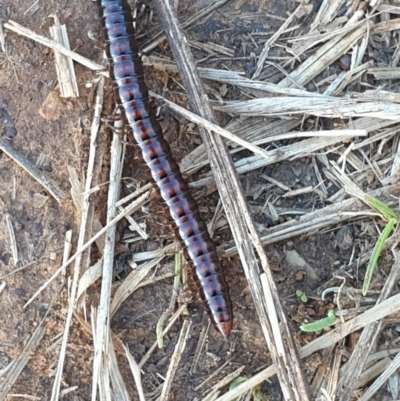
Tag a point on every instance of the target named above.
point(39, 124)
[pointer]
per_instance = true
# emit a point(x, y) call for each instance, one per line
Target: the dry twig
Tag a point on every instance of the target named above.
point(291, 378)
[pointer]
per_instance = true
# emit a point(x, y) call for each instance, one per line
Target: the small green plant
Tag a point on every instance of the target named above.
point(320, 324)
point(237, 382)
point(392, 220)
point(301, 296)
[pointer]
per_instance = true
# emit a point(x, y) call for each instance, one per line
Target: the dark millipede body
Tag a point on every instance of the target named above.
point(131, 95)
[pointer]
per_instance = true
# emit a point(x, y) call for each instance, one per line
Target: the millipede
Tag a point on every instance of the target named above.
point(131, 96)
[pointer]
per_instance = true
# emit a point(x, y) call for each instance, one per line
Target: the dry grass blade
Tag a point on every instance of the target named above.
point(131, 283)
point(84, 231)
point(257, 132)
point(13, 242)
point(103, 315)
point(2, 287)
point(288, 152)
point(89, 277)
point(324, 56)
point(246, 237)
point(19, 364)
point(135, 373)
point(117, 381)
point(200, 345)
point(370, 374)
point(64, 65)
point(378, 383)
point(230, 77)
point(21, 30)
point(367, 340)
point(175, 359)
point(64, 339)
point(378, 312)
point(328, 107)
point(212, 127)
point(271, 41)
point(213, 374)
point(129, 209)
point(33, 171)
point(269, 301)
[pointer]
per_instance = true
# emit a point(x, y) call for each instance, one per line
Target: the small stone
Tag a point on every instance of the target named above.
point(36, 230)
point(345, 62)
point(370, 176)
point(19, 292)
point(299, 276)
point(9, 132)
point(39, 85)
point(344, 238)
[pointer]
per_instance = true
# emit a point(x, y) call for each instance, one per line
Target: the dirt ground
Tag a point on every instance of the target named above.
point(58, 138)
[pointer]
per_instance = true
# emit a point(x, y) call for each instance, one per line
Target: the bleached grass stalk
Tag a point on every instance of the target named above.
point(13, 241)
point(86, 211)
point(175, 359)
point(48, 184)
point(103, 316)
point(20, 362)
point(206, 9)
point(378, 312)
point(324, 56)
point(200, 345)
point(120, 392)
point(288, 152)
point(212, 127)
point(142, 200)
point(131, 283)
point(271, 41)
point(135, 194)
point(135, 370)
point(328, 107)
point(380, 381)
point(31, 35)
point(64, 65)
point(269, 301)
point(64, 339)
point(230, 77)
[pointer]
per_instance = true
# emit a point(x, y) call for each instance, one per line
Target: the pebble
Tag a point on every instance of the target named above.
point(9, 132)
point(36, 230)
point(344, 238)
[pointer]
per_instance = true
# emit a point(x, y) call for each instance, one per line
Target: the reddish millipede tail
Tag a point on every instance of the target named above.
point(225, 328)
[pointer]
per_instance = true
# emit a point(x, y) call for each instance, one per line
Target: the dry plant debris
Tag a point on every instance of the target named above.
point(313, 128)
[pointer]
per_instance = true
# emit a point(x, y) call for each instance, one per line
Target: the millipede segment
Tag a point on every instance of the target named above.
point(131, 95)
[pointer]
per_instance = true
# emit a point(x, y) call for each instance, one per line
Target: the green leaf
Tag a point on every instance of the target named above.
point(376, 252)
point(320, 324)
point(239, 380)
point(381, 208)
